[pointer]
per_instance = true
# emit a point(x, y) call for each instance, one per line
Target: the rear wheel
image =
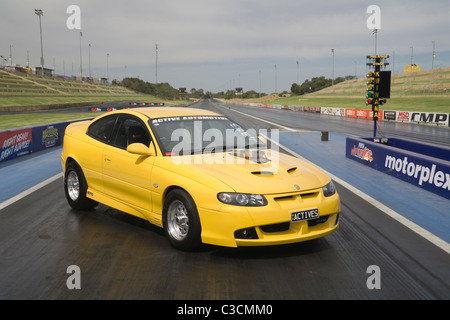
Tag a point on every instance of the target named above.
point(180, 220)
point(75, 188)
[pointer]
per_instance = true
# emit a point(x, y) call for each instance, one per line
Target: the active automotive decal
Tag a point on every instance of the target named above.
point(187, 118)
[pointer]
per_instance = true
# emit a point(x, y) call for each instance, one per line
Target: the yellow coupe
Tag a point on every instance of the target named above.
point(198, 175)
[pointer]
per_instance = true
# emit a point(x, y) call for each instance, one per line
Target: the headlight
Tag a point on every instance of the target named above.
point(242, 199)
point(329, 189)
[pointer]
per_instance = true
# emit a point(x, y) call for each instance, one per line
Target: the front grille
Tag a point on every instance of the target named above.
point(317, 221)
point(292, 197)
point(284, 226)
point(277, 227)
point(285, 198)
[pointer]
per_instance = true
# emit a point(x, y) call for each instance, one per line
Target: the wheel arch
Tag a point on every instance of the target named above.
point(168, 190)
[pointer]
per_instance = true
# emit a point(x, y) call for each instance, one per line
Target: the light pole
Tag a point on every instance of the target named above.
point(332, 77)
point(81, 60)
point(40, 13)
point(107, 67)
point(393, 62)
point(89, 54)
point(276, 79)
point(10, 55)
point(434, 55)
point(260, 83)
point(156, 62)
point(375, 32)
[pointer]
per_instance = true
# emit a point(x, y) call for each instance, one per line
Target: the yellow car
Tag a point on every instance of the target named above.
point(198, 175)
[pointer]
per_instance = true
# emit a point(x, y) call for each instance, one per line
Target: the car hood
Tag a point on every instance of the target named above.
point(277, 173)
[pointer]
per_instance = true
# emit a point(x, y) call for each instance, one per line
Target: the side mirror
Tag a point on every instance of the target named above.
point(140, 148)
point(262, 139)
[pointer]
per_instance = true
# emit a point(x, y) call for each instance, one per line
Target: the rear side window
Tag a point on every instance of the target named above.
point(102, 129)
point(130, 129)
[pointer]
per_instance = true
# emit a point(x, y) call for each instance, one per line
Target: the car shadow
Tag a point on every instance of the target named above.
point(269, 252)
point(241, 253)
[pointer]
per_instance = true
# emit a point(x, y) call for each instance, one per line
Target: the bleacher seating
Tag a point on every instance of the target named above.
point(20, 84)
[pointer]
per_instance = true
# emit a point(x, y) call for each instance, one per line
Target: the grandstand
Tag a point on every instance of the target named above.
point(18, 84)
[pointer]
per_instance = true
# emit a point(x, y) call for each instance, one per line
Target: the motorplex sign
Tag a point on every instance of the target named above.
point(428, 171)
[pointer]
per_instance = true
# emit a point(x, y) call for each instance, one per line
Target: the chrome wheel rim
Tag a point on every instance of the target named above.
point(73, 185)
point(177, 220)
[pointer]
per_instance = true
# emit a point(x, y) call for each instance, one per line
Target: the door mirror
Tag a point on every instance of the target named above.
point(262, 139)
point(142, 149)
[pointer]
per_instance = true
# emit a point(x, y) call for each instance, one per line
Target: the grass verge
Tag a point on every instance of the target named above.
point(20, 120)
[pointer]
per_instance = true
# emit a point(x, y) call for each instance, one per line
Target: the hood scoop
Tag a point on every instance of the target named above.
point(263, 173)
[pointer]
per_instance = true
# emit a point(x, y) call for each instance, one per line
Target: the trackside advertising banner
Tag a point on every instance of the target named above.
point(430, 172)
point(429, 118)
point(15, 143)
point(47, 136)
point(18, 142)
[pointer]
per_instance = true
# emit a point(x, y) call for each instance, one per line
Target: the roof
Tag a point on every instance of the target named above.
point(160, 112)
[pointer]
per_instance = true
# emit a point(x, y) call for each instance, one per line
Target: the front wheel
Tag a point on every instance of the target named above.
point(75, 188)
point(181, 221)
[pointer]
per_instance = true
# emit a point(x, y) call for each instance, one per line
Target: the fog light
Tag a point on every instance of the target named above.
point(247, 233)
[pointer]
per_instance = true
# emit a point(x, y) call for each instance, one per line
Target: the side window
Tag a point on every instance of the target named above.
point(130, 130)
point(102, 129)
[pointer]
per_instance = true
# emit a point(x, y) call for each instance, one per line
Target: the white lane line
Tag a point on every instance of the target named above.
point(272, 123)
point(25, 193)
point(380, 206)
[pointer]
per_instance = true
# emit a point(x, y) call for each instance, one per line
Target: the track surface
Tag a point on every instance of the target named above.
point(122, 257)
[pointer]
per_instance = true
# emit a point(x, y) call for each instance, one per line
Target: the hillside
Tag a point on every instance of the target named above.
point(427, 91)
point(424, 83)
point(22, 89)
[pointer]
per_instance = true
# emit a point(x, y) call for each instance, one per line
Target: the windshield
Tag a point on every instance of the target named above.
point(200, 134)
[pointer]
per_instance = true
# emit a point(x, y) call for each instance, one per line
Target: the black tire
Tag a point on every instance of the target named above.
point(181, 221)
point(75, 188)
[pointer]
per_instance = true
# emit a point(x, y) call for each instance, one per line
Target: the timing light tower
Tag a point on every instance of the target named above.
point(378, 86)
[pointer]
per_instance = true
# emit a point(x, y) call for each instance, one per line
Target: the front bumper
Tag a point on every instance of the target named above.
point(235, 226)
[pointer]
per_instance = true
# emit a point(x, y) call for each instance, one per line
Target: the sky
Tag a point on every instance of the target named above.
point(218, 45)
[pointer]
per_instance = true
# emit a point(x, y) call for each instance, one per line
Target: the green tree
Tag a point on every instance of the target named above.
point(316, 84)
